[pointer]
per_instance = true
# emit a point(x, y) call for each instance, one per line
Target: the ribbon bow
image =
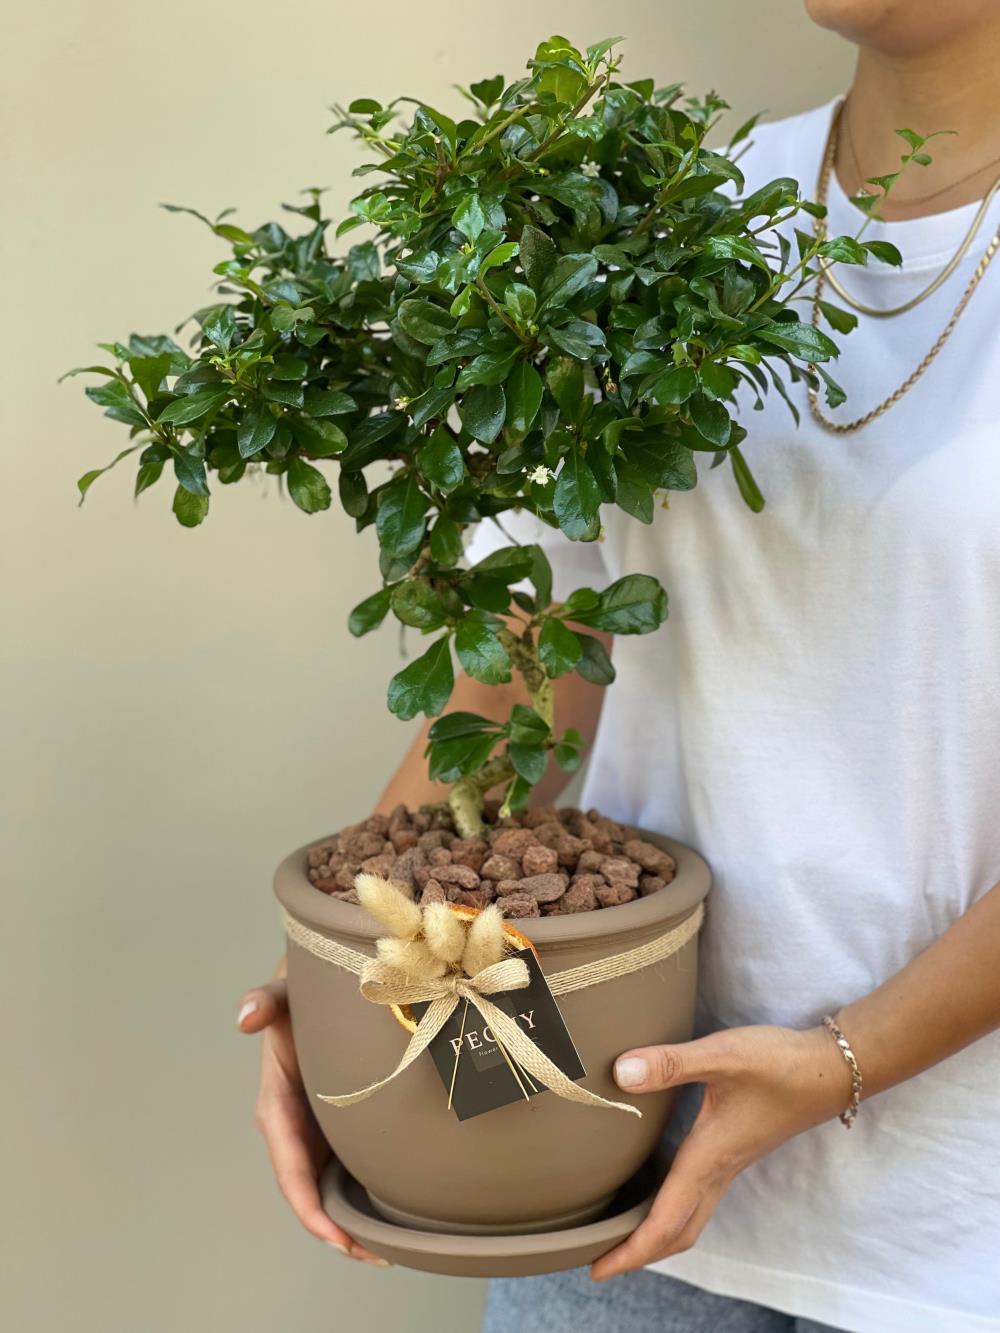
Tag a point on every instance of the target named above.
point(383, 984)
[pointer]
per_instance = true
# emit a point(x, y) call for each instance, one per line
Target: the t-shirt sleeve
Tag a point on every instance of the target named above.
point(574, 564)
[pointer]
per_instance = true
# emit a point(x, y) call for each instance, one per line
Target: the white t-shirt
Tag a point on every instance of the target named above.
point(820, 716)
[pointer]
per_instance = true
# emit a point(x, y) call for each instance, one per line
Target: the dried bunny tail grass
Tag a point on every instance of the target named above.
point(412, 958)
point(389, 904)
point(485, 945)
point(444, 932)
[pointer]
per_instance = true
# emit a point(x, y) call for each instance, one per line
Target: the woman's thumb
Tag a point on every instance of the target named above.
point(653, 1068)
point(261, 1006)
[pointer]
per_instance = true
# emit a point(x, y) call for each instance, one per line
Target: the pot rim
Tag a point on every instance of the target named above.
point(329, 915)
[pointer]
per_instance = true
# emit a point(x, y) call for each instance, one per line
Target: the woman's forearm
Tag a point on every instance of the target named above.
point(577, 704)
point(946, 998)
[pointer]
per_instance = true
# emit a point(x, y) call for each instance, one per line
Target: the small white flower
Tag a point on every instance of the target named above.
point(590, 169)
point(401, 404)
point(539, 475)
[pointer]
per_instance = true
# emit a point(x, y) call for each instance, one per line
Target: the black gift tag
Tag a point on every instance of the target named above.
point(478, 1071)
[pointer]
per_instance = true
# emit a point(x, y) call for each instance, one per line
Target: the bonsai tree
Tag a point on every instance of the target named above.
point(557, 298)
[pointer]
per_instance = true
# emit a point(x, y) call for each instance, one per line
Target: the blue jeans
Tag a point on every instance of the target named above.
point(642, 1302)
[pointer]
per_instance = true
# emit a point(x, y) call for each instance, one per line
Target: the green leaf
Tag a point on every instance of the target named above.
point(841, 320)
point(288, 392)
point(189, 509)
point(844, 250)
point(192, 407)
point(353, 492)
point(460, 724)
point(538, 255)
point(568, 275)
point(633, 493)
point(451, 759)
point(835, 395)
point(498, 256)
point(88, 478)
point(308, 487)
point(149, 371)
point(481, 653)
point(469, 217)
point(564, 377)
point(218, 324)
point(289, 368)
point(802, 340)
point(560, 74)
point(635, 604)
point(189, 469)
point(320, 438)
point(526, 727)
point(663, 461)
point(516, 797)
point(508, 563)
point(735, 247)
point(521, 301)
point(328, 403)
point(370, 613)
point(567, 756)
point(487, 90)
point(415, 603)
point(594, 664)
point(424, 321)
point(577, 498)
point(149, 474)
point(530, 761)
point(524, 391)
point(441, 461)
point(749, 489)
point(885, 252)
point(488, 594)
point(541, 576)
point(488, 368)
point(675, 385)
point(717, 381)
point(580, 599)
point(711, 420)
point(433, 402)
point(446, 542)
point(425, 685)
point(578, 338)
point(255, 432)
point(559, 649)
point(483, 410)
point(400, 521)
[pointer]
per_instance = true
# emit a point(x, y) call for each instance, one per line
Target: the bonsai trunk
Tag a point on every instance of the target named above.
point(467, 796)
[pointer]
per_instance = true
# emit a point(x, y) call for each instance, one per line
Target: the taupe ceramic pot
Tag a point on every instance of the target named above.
point(531, 1166)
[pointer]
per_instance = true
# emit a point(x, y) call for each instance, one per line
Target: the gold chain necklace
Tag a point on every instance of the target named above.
point(824, 275)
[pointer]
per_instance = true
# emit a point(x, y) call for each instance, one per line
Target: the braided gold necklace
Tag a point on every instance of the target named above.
point(824, 274)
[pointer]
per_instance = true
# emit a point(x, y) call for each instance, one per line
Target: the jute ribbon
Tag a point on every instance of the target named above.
point(387, 985)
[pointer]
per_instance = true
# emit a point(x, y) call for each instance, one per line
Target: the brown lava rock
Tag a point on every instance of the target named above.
point(461, 876)
point(539, 862)
point(500, 867)
point(517, 905)
point(543, 888)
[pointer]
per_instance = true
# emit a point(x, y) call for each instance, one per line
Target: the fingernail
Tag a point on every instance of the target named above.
point(249, 1008)
point(379, 1263)
point(336, 1245)
point(630, 1072)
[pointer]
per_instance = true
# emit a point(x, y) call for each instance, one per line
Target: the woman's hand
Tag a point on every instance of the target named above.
point(294, 1141)
point(763, 1085)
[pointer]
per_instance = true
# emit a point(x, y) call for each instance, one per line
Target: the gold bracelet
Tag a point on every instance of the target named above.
point(848, 1116)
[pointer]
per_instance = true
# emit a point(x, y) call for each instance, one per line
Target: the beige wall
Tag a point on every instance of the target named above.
point(181, 708)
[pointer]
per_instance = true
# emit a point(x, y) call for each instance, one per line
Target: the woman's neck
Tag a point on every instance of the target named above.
point(943, 89)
